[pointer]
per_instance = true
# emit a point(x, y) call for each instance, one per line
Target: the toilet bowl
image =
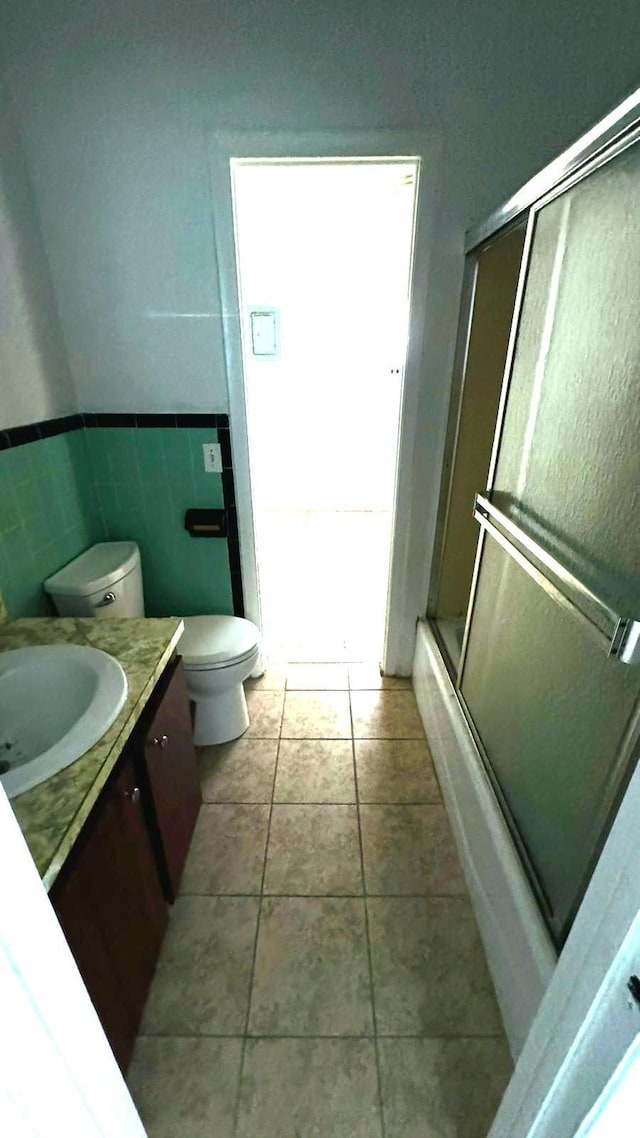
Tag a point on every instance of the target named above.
point(218, 652)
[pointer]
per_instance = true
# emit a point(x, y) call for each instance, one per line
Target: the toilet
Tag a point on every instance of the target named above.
point(219, 652)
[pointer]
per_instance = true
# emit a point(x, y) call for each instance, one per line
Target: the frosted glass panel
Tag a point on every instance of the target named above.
point(568, 463)
point(550, 706)
point(551, 709)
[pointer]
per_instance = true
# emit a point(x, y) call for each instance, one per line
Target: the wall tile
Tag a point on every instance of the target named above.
point(48, 514)
point(146, 478)
point(60, 494)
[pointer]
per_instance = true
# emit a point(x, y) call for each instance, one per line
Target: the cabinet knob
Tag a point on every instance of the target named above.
point(161, 741)
point(133, 795)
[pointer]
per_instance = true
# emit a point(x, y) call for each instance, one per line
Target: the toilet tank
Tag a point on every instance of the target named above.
point(104, 581)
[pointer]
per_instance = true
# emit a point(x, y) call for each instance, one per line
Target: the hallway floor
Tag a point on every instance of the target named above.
point(340, 558)
point(322, 974)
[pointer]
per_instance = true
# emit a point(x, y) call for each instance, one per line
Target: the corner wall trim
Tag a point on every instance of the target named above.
point(108, 419)
point(44, 429)
point(518, 948)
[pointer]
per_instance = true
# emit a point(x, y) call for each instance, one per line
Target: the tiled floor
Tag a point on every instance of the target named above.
point(322, 974)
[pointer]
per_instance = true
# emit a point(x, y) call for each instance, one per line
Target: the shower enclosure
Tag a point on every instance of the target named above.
point(543, 481)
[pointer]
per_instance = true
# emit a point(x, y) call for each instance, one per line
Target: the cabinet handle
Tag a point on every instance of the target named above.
point(132, 795)
point(161, 741)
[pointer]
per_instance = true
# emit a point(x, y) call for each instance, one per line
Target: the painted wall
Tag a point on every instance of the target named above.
point(34, 373)
point(48, 515)
point(115, 102)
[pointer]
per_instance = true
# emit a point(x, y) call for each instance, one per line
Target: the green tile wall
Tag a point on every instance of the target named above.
point(48, 514)
point(145, 479)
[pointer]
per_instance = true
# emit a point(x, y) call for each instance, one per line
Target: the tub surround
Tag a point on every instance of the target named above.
point(52, 814)
point(519, 951)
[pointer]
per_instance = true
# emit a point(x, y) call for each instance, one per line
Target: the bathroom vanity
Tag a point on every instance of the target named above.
point(110, 834)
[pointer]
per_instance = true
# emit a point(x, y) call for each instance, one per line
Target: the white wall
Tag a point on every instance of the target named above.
point(35, 382)
point(115, 99)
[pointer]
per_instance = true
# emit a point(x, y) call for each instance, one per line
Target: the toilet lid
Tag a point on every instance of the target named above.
point(211, 640)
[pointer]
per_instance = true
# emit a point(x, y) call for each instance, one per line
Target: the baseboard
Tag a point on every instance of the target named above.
point(519, 951)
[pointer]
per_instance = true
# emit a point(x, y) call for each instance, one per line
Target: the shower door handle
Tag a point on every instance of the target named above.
point(619, 634)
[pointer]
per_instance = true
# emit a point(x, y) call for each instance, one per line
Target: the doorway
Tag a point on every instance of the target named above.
point(324, 253)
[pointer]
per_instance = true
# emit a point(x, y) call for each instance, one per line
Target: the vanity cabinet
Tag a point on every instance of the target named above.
point(170, 777)
point(110, 904)
point(111, 895)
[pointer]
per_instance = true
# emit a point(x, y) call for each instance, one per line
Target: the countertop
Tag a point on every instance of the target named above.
point(52, 814)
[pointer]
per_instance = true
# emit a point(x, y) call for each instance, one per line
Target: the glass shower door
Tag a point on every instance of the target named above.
point(543, 673)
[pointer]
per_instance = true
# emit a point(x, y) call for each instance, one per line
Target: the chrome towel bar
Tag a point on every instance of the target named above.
point(619, 634)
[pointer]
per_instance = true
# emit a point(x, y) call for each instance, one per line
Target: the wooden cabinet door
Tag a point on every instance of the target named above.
point(72, 899)
point(172, 772)
point(112, 910)
point(127, 889)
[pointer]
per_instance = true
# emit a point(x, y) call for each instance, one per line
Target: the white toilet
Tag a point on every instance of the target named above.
point(219, 652)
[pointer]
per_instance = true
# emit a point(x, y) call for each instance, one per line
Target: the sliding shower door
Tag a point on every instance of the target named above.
point(548, 672)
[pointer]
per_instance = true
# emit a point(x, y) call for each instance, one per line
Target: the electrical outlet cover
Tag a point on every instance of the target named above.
point(212, 458)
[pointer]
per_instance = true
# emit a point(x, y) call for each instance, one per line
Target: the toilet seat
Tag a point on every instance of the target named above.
point(213, 642)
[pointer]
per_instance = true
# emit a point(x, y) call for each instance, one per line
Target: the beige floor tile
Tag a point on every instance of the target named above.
point(429, 970)
point(185, 1087)
point(309, 1088)
point(313, 850)
point(316, 715)
point(409, 849)
point(311, 972)
point(395, 770)
point(385, 715)
point(201, 985)
point(317, 677)
point(363, 677)
point(442, 1088)
point(265, 714)
point(241, 771)
point(315, 770)
point(273, 679)
point(227, 850)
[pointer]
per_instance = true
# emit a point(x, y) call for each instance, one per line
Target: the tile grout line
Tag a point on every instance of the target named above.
point(372, 896)
point(314, 802)
point(245, 1036)
point(316, 1035)
point(366, 927)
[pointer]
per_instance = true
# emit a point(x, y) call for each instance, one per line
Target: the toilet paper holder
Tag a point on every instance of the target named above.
point(206, 523)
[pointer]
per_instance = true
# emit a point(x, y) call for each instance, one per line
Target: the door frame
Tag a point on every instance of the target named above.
point(226, 145)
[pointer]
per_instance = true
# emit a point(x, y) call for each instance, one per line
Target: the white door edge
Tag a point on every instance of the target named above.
point(58, 1075)
point(225, 145)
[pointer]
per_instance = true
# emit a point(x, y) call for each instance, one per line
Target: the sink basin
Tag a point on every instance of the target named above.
point(56, 701)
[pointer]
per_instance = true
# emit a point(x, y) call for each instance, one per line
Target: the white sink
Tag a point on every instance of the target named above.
point(56, 701)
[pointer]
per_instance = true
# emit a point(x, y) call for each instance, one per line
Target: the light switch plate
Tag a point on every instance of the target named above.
point(212, 458)
point(265, 332)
